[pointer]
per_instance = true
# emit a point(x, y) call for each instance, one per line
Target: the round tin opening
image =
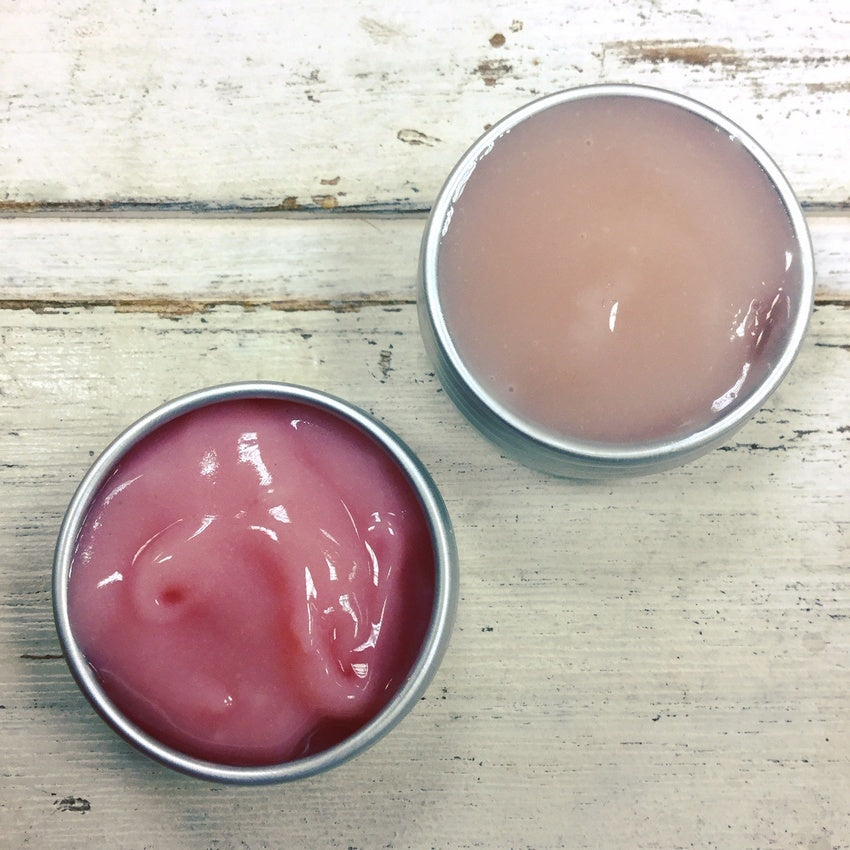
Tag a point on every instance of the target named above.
point(613, 279)
point(255, 582)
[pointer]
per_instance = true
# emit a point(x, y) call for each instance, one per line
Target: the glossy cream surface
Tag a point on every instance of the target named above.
point(253, 582)
point(618, 270)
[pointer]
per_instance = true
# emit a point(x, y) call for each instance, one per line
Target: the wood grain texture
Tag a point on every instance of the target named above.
point(656, 662)
point(197, 192)
point(321, 105)
point(184, 264)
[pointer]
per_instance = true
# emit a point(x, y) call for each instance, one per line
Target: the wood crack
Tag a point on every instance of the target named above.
point(176, 307)
point(184, 306)
point(289, 208)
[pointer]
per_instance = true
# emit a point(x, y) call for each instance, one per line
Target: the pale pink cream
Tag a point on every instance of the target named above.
point(618, 270)
point(253, 582)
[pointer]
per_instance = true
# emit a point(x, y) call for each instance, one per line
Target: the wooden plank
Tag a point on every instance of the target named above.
point(184, 264)
point(329, 104)
point(655, 662)
point(650, 663)
point(191, 263)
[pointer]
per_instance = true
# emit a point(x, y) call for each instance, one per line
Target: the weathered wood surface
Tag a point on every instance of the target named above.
point(325, 104)
point(659, 662)
point(646, 663)
point(185, 263)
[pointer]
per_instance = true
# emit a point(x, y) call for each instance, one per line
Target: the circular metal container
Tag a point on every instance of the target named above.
point(431, 652)
point(523, 439)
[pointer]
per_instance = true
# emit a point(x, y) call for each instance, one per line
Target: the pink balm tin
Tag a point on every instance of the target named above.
point(613, 279)
point(255, 582)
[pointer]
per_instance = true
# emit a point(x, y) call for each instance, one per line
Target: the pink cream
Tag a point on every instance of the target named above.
point(253, 582)
point(619, 270)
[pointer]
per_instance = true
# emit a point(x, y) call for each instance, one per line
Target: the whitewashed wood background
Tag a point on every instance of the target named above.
point(195, 192)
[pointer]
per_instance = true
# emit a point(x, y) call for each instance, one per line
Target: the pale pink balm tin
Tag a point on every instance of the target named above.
point(613, 279)
point(255, 582)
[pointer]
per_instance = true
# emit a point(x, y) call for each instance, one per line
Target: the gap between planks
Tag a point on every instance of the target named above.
point(176, 307)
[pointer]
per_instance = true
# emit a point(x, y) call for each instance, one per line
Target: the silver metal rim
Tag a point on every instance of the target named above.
point(436, 640)
point(531, 444)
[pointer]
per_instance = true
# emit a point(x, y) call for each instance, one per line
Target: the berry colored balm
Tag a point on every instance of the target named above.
point(616, 272)
point(253, 581)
